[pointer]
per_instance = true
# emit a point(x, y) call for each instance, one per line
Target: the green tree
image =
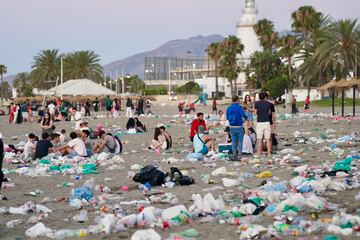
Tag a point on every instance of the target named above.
point(214, 53)
point(83, 64)
point(277, 86)
point(23, 85)
point(266, 33)
point(231, 47)
point(6, 90)
point(3, 70)
point(134, 84)
point(45, 68)
point(339, 47)
point(264, 66)
point(188, 88)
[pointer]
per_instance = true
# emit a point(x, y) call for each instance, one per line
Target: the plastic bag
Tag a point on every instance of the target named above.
point(38, 230)
point(148, 234)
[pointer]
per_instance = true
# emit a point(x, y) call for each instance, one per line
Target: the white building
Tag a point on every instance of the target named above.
point(208, 85)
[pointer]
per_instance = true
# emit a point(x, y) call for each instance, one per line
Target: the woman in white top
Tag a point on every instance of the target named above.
point(221, 118)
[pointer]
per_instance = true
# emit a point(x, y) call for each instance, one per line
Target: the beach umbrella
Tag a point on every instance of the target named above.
point(353, 83)
point(330, 86)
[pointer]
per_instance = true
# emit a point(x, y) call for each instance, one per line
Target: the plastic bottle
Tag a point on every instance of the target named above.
point(13, 223)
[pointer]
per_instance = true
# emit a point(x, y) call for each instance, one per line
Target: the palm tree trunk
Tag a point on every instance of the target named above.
point(235, 87)
point(231, 87)
point(2, 90)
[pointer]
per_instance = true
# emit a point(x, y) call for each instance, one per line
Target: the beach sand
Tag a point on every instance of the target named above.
point(137, 153)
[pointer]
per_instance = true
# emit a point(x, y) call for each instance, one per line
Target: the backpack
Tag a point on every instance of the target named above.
point(118, 146)
point(150, 174)
point(176, 176)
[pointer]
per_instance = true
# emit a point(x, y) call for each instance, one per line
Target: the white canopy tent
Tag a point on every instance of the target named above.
point(79, 87)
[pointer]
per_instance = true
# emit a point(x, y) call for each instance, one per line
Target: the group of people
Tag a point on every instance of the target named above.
point(77, 143)
point(248, 125)
point(60, 110)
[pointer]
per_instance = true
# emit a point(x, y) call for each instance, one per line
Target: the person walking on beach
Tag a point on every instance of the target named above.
point(96, 104)
point(108, 105)
point(263, 129)
point(87, 108)
point(140, 106)
point(307, 103)
point(214, 106)
point(293, 105)
point(235, 115)
point(129, 106)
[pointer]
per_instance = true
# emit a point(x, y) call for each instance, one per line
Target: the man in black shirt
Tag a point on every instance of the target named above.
point(43, 146)
point(87, 108)
point(263, 111)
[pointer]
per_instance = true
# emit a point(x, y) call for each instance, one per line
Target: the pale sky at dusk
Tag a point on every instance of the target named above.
point(119, 28)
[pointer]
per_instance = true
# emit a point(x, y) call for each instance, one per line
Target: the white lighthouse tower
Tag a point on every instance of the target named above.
point(246, 33)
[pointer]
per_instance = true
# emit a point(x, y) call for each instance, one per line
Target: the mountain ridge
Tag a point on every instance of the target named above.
point(190, 47)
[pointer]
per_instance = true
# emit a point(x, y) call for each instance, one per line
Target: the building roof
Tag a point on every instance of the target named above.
point(81, 87)
point(329, 85)
point(348, 83)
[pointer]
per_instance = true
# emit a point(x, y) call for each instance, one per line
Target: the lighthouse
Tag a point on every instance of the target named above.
point(246, 32)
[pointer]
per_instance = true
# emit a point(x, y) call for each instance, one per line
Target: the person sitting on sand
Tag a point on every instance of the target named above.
point(130, 126)
point(167, 137)
point(88, 144)
point(43, 146)
point(75, 147)
point(55, 140)
point(29, 148)
point(221, 118)
point(139, 126)
point(159, 141)
point(105, 144)
point(203, 143)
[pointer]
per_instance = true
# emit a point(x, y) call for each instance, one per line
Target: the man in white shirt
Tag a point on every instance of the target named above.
point(51, 108)
point(75, 147)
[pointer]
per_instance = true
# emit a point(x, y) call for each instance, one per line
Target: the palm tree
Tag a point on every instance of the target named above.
point(3, 70)
point(231, 47)
point(22, 84)
point(214, 53)
point(83, 64)
point(305, 21)
point(289, 46)
point(46, 68)
point(340, 47)
point(266, 33)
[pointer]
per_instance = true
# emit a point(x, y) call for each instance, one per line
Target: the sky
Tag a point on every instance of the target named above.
point(116, 29)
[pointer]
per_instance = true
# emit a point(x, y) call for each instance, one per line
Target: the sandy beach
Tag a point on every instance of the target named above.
point(136, 152)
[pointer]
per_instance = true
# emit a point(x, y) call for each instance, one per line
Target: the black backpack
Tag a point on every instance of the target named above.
point(176, 176)
point(150, 174)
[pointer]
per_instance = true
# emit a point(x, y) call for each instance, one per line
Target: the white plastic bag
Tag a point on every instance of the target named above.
point(148, 234)
point(38, 230)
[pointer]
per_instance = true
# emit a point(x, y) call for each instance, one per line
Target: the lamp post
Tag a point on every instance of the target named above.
point(61, 78)
point(169, 81)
